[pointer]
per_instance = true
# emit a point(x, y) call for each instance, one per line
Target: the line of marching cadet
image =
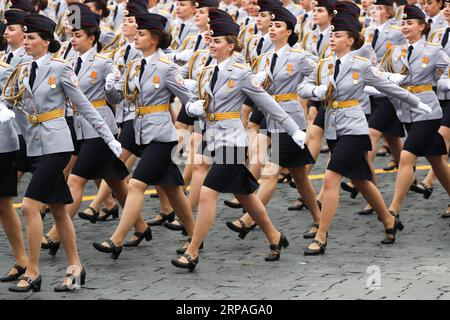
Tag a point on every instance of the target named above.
point(115, 91)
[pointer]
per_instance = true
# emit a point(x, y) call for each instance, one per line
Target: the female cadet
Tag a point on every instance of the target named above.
point(418, 61)
point(125, 114)
point(288, 68)
point(149, 83)
point(9, 145)
point(95, 160)
point(441, 37)
point(222, 90)
point(383, 120)
point(259, 46)
point(14, 36)
point(107, 37)
point(346, 126)
point(41, 88)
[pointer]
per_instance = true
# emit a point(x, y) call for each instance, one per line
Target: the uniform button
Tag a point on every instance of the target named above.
point(37, 138)
point(78, 126)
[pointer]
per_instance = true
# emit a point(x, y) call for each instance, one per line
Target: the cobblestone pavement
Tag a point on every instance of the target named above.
point(416, 267)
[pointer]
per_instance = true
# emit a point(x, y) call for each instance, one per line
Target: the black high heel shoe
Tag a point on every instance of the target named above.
point(366, 212)
point(33, 284)
point(114, 212)
point(147, 235)
point(51, 245)
point(112, 248)
point(90, 217)
point(44, 212)
point(14, 277)
point(243, 230)
point(164, 217)
point(385, 152)
point(285, 177)
point(182, 250)
point(69, 288)
point(232, 204)
point(391, 165)
point(353, 190)
point(316, 252)
point(311, 235)
point(174, 226)
point(191, 264)
point(446, 213)
point(392, 231)
point(283, 243)
point(422, 188)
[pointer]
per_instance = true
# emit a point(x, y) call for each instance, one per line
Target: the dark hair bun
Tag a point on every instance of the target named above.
point(54, 46)
point(105, 12)
point(166, 40)
point(293, 39)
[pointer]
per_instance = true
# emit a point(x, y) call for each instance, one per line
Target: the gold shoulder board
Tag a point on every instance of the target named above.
point(165, 60)
point(4, 64)
point(361, 58)
point(240, 65)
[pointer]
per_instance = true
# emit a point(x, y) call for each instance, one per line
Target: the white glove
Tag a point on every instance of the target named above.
point(371, 91)
point(396, 78)
point(299, 138)
point(115, 147)
point(116, 71)
point(184, 55)
point(195, 108)
point(423, 108)
point(5, 113)
point(320, 91)
point(190, 84)
point(260, 77)
point(110, 81)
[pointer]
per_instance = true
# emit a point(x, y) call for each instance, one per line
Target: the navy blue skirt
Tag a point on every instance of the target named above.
point(8, 174)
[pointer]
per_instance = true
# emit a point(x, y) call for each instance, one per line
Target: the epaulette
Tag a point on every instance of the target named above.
point(165, 60)
point(297, 50)
point(105, 28)
point(23, 64)
point(59, 60)
point(361, 58)
point(434, 44)
point(240, 65)
point(103, 56)
point(327, 59)
point(395, 27)
point(4, 64)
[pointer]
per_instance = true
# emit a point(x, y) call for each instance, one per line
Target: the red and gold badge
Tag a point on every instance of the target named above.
point(156, 81)
point(93, 76)
point(355, 77)
point(52, 82)
point(230, 85)
point(289, 68)
point(425, 61)
point(403, 54)
point(388, 45)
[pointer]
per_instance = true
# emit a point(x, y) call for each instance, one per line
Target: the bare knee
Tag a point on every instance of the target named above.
point(136, 186)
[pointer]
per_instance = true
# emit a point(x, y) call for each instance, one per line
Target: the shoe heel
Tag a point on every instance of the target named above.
point(36, 287)
point(148, 235)
point(285, 243)
point(115, 214)
point(400, 226)
point(116, 253)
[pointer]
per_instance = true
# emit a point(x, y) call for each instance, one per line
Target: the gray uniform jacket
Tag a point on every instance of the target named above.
point(390, 36)
point(353, 75)
point(161, 79)
point(9, 141)
point(291, 68)
point(55, 82)
point(92, 77)
point(425, 60)
point(20, 121)
point(124, 110)
point(437, 38)
point(234, 83)
point(195, 65)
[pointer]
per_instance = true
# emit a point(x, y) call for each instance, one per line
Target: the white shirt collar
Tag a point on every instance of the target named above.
point(414, 44)
point(85, 55)
point(266, 37)
point(325, 31)
point(223, 64)
point(41, 59)
point(152, 56)
point(281, 51)
point(382, 26)
point(342, 59)
point(434, 19)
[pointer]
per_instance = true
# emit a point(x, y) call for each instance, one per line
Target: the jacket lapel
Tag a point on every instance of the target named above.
point(42, 72)
point(281, 62)
point(344, 68)
point(86, 65)
point(149, 70)
point(223, 75)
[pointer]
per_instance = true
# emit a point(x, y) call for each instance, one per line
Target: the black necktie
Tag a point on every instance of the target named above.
point(208, 61)
point(33, 74)
point(141, 72)
point(375, 38)
point(197, 44)
point(214, 77)
point(181, 30)
point(304, 18)
point(319, 42)
point(410, 49)
point(336, 69)
point(445, 38)
point(273, 62)
point(58, 6)
point(10, 56)
point(246, 21)
point(259, 47)
point(78, 66)
point(127, 52)
point(67, 50)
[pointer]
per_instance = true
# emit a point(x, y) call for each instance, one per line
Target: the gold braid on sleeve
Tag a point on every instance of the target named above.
point(14, 89)
point(129, 96)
